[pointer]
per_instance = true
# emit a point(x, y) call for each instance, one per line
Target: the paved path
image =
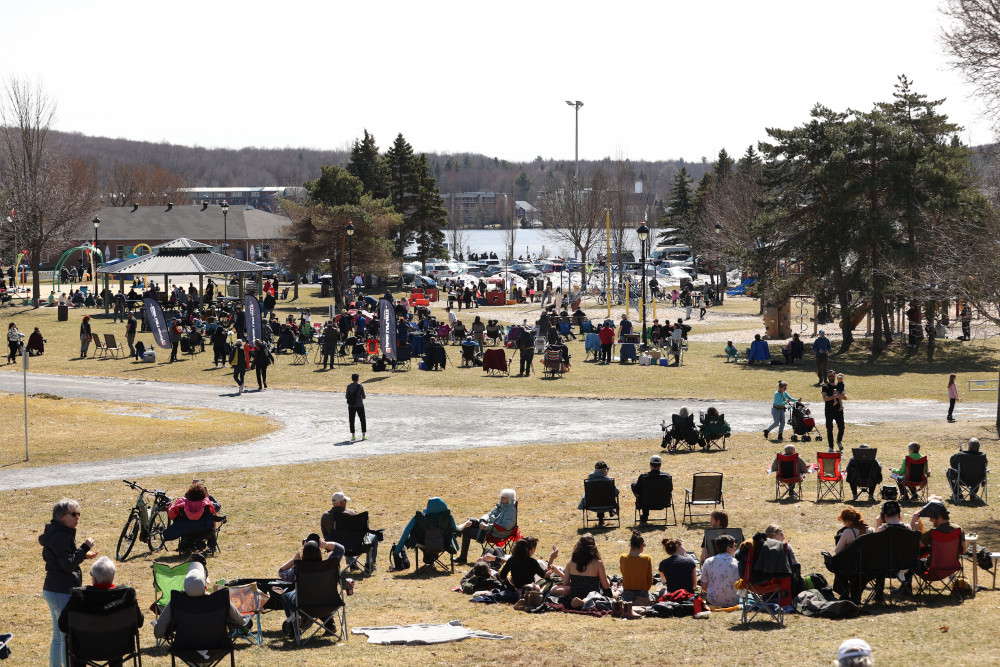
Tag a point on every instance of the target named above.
point(315, 424)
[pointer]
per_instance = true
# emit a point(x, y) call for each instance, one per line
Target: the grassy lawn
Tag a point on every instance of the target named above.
point(71, 430)
point(897, 374)
point(272, 509)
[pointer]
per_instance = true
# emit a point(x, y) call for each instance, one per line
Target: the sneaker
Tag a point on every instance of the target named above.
point(353, 439)
point(288, 629)
point(766, 432)
point(364, 437)
point(839, 446)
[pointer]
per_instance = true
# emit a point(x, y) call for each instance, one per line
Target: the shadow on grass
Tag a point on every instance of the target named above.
point(376, 379)
point(344, 443)
point(767, 625)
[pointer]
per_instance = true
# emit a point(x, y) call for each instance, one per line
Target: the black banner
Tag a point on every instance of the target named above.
point(157, 323)
point(387, 328)
point(251, 318)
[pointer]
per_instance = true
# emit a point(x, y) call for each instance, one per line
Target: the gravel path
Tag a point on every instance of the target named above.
point(315, 424)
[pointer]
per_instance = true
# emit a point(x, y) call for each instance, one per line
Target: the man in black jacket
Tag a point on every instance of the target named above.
point(526, 350)
point(973, 468)
point(654, 471)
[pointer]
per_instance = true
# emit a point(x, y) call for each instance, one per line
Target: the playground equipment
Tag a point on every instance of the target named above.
point(89, 249)
point(135, 251)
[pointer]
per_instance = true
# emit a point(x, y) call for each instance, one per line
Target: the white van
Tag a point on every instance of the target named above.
point(680, 253)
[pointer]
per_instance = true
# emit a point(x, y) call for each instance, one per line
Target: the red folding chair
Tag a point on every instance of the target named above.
point(764, 597)
point(829, 479)
point(495, 360)
point(505, 542)
point(787, 477)
point(944, 566)
point(915, 477)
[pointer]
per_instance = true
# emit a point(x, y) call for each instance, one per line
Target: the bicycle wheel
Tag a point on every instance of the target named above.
point(129, 534)
point(156, 528)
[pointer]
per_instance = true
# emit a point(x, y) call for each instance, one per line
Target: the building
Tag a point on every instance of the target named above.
point(261, 198)
point(473, 209)
point(248, 231)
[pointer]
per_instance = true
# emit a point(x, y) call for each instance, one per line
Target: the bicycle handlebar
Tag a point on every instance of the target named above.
point(136, 487)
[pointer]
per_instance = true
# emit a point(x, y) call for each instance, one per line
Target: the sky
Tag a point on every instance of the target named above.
point(659, 79)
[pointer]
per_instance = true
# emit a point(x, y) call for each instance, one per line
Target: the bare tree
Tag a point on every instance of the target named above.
point(147, 185)
point(52, 195)
point(973, 43)
point(576, 217)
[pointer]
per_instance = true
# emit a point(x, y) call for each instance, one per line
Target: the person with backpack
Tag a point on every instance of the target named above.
point(219, 338)
point(356, 405)
point(262, 358)
point(240, 361)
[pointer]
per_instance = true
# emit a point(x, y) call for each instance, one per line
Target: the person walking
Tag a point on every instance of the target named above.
point(965, 316)
point(952, 396)
point(356, 405)
point(833, 396)
point(262, 358)
point(821, 346)
point(175, 332)
point(13, 342)
point(778, 407)
point(219, 338)
point(240, 362)
point(85, 336)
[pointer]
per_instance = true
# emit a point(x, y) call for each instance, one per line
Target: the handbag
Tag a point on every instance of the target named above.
point(889, 492)
point(400, 561)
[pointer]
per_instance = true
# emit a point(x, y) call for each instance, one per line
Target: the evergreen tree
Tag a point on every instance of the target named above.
point(522, 186)
point(427, 222)
point(723, 166)
point(335, 187)
point(369, 166)
point(750, 162)
point(680, 208)
point(403, 187)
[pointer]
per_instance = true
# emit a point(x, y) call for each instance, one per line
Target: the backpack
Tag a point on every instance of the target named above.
point(378, 366)
point(400, 561)
point(234, 360)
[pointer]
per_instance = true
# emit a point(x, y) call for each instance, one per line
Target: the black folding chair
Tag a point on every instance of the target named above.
point(713, 533)
point(706, 489)
point(430, 537)
point(98, 640)
point(352, 531)
point(971, 478)
point(599, 496)
point(318, 600)
point(656, 492)
point(199, 629)
point(865, 472)
point(881, 556)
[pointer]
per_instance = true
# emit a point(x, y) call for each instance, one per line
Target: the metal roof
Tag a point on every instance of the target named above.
point(182, 243)
point(180, 260)
point(147, 223)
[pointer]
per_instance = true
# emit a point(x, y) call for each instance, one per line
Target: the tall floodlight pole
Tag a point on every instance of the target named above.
point(643, 234)
point(97, 223)
point(350, 254)
point(225, 227)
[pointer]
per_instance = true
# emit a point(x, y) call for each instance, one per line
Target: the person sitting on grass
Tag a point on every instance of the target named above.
point(498, 522)
point(732, 354)
point(600, 472)
point(309, 553)
point(584, 573)
point(637, 572)
point(720, 573)
point(522, 568)
point(195, 584)
point(801, 468)
point(678, 571)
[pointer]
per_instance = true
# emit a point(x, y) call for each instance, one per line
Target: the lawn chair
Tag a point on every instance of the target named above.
point(100, 351)
point(656, 492)
point(712, 533)
point(503, 539)
point(111, 346)
point(553, 364)
point(250, 601)
point(971, 479)
point(352, 531)
point(915, 477)
point(881, 556)
point(460, 331)
point(866, 473)
point(680, 433)
point(167, 580)
point(829, 479)
point(318, 600)
point(714, 431)
point(764, 585)
point(787, 477)
point(403, 355)
point(494, 333)
point(513, 334)
point(706, 489)
point(469, 355)
point(565, 329)
point(495, 362)
point(599, 496)
point(103, 639)
point(5, 644)
point(299, 353)
point(434, 537)
point(944, 565)
point(205, 540)
point(592, 345)
point(199, 632)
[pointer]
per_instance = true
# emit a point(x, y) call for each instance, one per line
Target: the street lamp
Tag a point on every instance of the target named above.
point(350, 253)
point(225, 226)
point(643, 234)
point(576, 171)
point(97, 223)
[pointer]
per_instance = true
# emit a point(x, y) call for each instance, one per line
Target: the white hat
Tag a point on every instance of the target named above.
point(853, 648)
point(339, 497)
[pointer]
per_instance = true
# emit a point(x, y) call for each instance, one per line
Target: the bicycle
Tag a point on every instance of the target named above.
point(144, 522)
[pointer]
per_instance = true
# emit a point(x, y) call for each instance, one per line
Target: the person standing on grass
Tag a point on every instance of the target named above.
point(85, 336)
point(13, 342)
point(833, 398)
point(952, 396)
point(130, 327)
point(821, 346)
point(778, 407)
point(356, 405)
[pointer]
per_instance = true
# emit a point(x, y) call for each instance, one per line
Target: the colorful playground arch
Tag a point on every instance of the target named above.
point(87, 248)
point(135, 251)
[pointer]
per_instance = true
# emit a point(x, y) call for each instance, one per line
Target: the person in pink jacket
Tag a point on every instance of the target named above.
point(952, 396)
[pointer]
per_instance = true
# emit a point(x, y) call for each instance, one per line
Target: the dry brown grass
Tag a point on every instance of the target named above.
point(271, 509)
point(62, 431)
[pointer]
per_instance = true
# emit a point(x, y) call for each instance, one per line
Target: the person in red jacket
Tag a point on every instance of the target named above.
point(607, 335)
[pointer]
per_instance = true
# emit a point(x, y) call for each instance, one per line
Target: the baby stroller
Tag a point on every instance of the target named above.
point(803, 423)
point(681, 433)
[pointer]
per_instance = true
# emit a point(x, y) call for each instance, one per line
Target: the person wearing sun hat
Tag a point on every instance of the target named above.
point(854, 652)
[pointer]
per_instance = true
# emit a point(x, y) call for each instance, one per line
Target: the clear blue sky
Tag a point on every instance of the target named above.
point(659, 79)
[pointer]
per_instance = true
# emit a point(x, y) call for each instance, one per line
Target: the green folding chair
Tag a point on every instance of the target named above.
point(166, 580)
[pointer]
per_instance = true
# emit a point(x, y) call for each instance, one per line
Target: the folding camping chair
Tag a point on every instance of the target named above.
point(98, 640)
point(656, 492)
point(706, 489)
point(553, 364)
point(100, 350)
point(829, 479)
point(680, 433)
point(494, 333)
point(787, 477)
point(299, 353)
point(866, 472)
point(111, 346)
point(513, 334)
point(915, 477)
point(599, 496)
point(763, 589)
point(346, 350)
point(712, 533)
point(565, 329)
point(460, 331)
point(971, 479)
point(250, 601)
point(403, 355)
point(318, 600)
point(714, 431)
point(881, 556)
point(469, 355)
point(495, 361)
point(433, 536)
point(503, 539)
point(352, 531)
point(167, 580)
point(199, 632)
point(944, 566)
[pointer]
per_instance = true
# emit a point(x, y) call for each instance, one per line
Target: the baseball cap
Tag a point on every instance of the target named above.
point(854, 648)
point(655, 458)
point(822, 333)
point(340, 497)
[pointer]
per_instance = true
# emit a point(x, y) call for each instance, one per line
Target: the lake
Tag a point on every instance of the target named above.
point(534, 242)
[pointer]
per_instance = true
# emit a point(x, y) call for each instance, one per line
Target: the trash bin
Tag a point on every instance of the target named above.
point(324, 290)
point(63, 313)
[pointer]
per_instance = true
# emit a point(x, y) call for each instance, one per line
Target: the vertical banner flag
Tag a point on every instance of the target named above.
point(251, 317)
point(157, 323)
point(387, 328)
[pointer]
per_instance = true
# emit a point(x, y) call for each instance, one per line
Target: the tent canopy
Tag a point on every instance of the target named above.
point(182, 257)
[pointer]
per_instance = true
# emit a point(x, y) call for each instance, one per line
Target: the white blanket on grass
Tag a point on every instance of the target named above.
point(423, 633)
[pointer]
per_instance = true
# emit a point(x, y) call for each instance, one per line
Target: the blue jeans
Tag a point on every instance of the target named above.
point(778, 415)
point(238, 373)
point(57, 649)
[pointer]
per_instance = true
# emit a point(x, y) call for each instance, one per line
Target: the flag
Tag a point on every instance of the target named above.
point(157, 323)
point(251, 318)
point(387, 328)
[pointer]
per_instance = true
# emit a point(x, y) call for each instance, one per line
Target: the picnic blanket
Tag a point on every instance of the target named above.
point(423, 633)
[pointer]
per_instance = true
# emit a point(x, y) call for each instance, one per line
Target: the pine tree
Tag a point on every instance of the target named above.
point(723, 166)
point(750, 162)
point(680, 207)
point(369, 166)
point(402, 188)
point(335, 187)
point(429, 218)
point(522, 186)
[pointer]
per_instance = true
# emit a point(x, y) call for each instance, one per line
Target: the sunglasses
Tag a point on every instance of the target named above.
point(75, 514)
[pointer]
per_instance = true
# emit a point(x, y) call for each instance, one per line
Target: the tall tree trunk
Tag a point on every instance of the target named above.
point(886, 324)
point(844, 297)
point(36, 275)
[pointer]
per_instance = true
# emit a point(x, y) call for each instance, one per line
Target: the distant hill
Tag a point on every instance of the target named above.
point(253, 166)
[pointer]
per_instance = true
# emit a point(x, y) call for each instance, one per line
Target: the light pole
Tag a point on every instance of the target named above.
point(643, 234)
point(97, 223)
point(576, 171)
point(225, 227)
point(350, 254)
